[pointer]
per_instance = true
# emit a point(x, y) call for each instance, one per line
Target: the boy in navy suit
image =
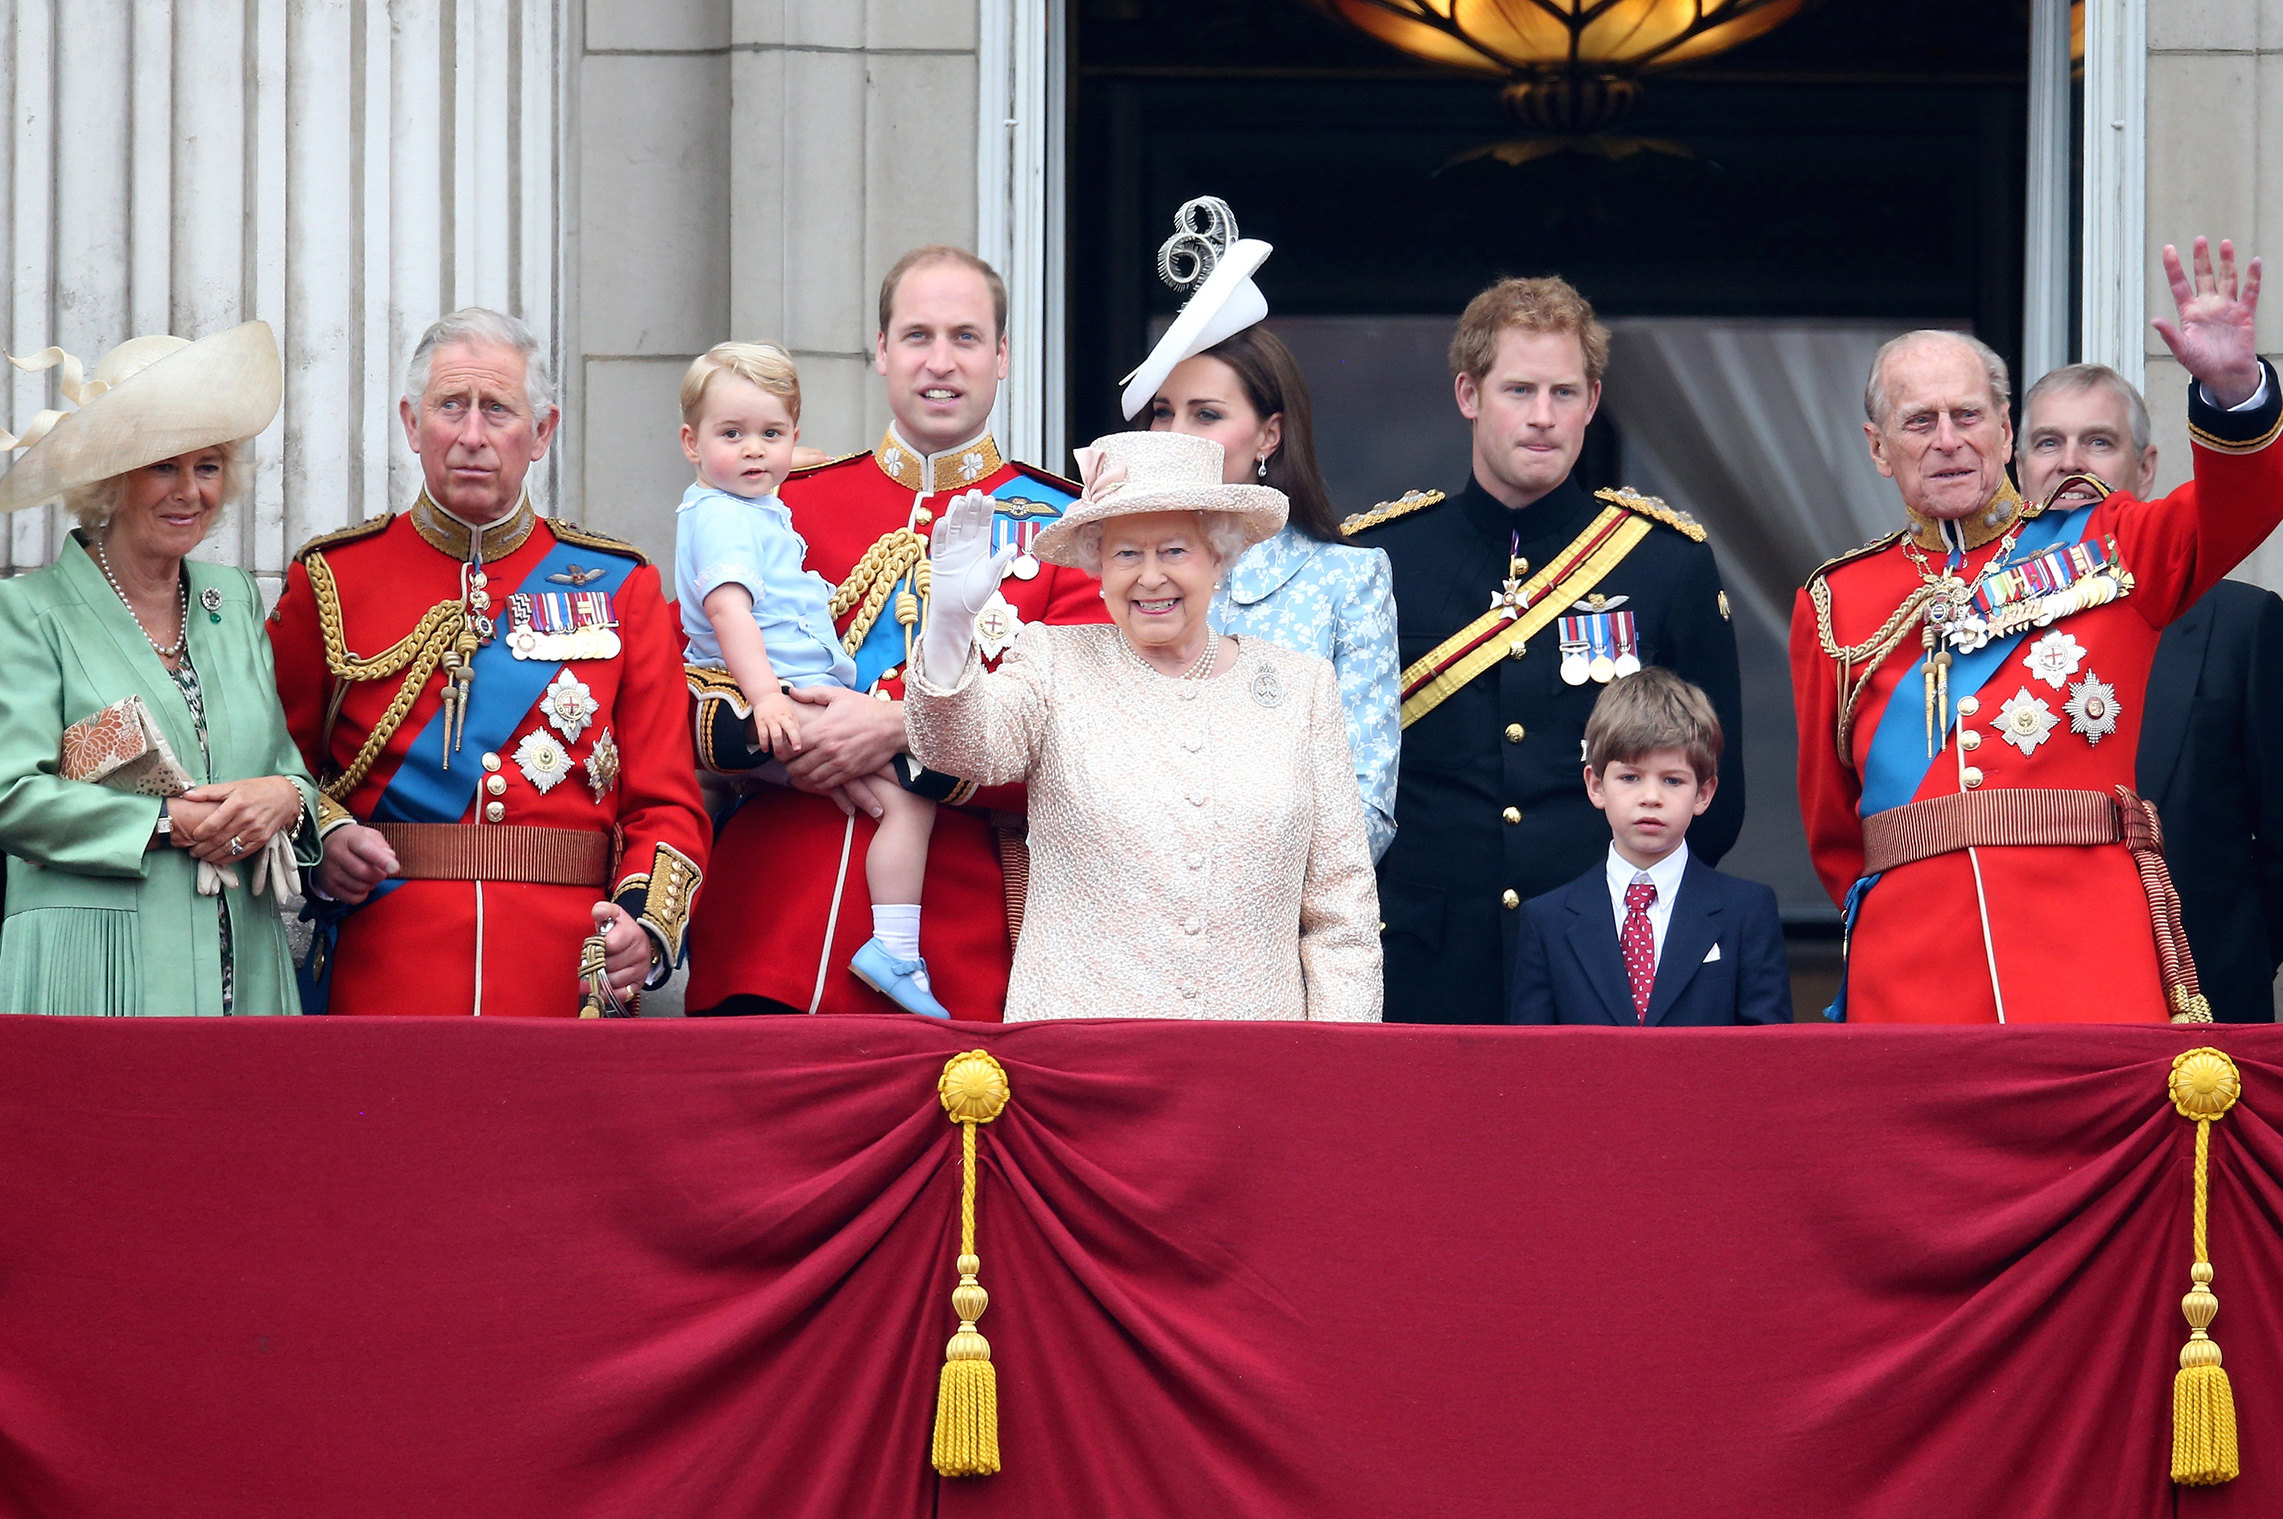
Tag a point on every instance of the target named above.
point(1650, 937)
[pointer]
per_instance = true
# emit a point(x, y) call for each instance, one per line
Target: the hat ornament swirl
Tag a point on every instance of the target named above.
point(1207, 261)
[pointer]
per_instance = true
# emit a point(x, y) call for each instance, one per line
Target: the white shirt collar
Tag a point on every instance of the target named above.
point(1665, 875)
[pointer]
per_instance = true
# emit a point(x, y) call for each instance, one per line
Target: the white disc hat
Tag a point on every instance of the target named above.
point(1207, 258)
point(150, 398)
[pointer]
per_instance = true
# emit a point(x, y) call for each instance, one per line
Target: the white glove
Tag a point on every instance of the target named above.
point(273, 866)
point(964, 575)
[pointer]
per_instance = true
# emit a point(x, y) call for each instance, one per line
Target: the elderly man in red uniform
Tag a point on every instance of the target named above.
point(783, 942)
point(1970, 689)
point(492, 703)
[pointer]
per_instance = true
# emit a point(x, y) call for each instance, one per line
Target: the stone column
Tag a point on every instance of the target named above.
point(345, 170)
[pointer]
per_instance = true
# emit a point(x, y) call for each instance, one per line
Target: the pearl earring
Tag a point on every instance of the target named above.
point(1260, 466)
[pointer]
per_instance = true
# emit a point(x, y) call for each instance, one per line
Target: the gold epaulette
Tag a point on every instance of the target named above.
point(349, 534)
point(1387, 511)
point(571, 532)
point(1876, 545)
point(1654, 509)
point(809, 469)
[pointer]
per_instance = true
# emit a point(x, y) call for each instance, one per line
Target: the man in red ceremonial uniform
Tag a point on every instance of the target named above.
point(1970, 689)
point(492, 704)
point(783, 943)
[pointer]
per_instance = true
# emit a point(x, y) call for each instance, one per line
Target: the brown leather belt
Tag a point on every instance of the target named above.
point(499, 852)
point(1981, 819)
point(1991, 819)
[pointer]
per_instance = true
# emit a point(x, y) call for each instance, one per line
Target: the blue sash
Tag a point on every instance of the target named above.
point(1029, 498)
point(1897, 762)
point(422, 790)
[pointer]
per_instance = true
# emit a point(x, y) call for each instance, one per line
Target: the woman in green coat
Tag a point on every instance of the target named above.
point(104, 911)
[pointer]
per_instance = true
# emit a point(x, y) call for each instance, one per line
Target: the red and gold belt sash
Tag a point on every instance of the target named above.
point(1501, 632)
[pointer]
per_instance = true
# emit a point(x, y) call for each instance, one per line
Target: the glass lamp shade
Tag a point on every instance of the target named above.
point(1573, 38)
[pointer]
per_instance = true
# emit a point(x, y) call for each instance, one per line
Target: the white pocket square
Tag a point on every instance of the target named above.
point(1712, 954)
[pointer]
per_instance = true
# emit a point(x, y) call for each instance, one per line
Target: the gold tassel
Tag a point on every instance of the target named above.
point(2203, 1086)
point(974, 1090)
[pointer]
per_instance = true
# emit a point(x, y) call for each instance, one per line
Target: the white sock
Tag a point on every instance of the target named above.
point(897, 926)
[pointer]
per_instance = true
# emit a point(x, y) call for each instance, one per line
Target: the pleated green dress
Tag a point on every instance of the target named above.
point(96, 922)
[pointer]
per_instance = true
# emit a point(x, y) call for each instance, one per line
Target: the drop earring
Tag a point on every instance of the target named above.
point(1260, 466)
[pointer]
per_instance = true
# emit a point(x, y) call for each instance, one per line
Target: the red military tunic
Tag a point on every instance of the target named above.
point(2068, 926)
point(608, 740)
point(800, 910)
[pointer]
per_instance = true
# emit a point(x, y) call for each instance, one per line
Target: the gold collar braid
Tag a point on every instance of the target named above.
point(1984, 526)
point(933, 474)
point(447, 534)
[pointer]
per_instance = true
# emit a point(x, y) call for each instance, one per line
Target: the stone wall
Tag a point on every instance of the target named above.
point(750, 170)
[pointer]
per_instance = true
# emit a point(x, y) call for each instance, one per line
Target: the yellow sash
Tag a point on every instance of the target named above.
point(1575, 571)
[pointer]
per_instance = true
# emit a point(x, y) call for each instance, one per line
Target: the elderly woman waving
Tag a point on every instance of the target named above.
point(1197, 843)
point(147, 784)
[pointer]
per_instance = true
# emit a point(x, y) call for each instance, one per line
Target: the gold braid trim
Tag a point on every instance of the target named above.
point(875, 575)
point(1654, 508)
point(417, 654)
point(1870, 654)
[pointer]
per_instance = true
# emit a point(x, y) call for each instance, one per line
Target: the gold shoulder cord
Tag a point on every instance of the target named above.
point(884, 563)
point(1870, 653)
point(417, 654)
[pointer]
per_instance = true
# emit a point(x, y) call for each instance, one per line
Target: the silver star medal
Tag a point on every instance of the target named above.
point(996, 626)
point(2025, 721)
point(2092, 708)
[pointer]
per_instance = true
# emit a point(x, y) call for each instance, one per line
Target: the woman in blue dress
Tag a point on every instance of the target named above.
point(1220, 375)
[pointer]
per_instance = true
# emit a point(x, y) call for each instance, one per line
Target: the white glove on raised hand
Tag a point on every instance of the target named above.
point(964, 575)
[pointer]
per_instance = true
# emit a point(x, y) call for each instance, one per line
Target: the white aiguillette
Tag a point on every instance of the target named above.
point(561, 625)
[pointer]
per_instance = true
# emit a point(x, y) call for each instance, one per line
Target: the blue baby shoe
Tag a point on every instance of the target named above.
point(892, 979)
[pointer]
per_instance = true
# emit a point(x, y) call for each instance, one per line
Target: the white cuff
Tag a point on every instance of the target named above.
point(2258, 397)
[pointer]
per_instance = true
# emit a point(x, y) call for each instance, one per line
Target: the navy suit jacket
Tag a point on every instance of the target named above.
point(2211, 759)
point(1569, 969)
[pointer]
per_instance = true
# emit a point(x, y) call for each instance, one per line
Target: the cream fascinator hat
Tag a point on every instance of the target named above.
point(149, 399)
point(1128, 473)
point(1207, 258)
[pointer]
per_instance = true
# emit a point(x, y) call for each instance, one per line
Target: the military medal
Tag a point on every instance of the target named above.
point(1600, 640)
point(996, 626)
point(1576, 668)
point(561, 625)
point(543, 761)
point(569, 706)
point(2092, 708)
point(1628, 643)
point(2025, 721)
point(1510, 598)
point(602, 766)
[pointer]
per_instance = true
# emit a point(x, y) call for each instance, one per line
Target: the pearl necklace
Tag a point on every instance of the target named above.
point(1197, 671)
point(182, 638)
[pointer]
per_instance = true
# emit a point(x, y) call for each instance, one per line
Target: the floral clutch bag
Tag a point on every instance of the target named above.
point(122, 747)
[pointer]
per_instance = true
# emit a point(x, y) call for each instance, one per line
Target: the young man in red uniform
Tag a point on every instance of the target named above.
point(1970, 689)
point(492, 704)
point(782, 941)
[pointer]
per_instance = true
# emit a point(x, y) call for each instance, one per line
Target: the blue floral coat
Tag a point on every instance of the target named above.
point(1335, 601)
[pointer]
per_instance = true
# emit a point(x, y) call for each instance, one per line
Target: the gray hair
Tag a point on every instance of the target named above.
point(1224, 535)
point(480, 324)
point(94, 504)
point(2096, 377)
point(1878, 406)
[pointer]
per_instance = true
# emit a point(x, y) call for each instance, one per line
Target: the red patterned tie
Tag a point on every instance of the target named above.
point(1640, 945)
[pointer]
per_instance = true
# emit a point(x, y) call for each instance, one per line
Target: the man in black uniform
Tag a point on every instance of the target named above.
point(1516, 602)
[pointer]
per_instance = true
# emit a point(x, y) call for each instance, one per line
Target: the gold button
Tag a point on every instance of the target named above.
point(1969, 740)
point(890, 673)
point(491, 762)
point(1512, 899)
point(1514, 733)
point(923, 517)
point(1512, 814)
point(1972, 777)
point(494, 811)
point(496, 784)
point(884, 695)
point(1516, 652)
point(1969, 705)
